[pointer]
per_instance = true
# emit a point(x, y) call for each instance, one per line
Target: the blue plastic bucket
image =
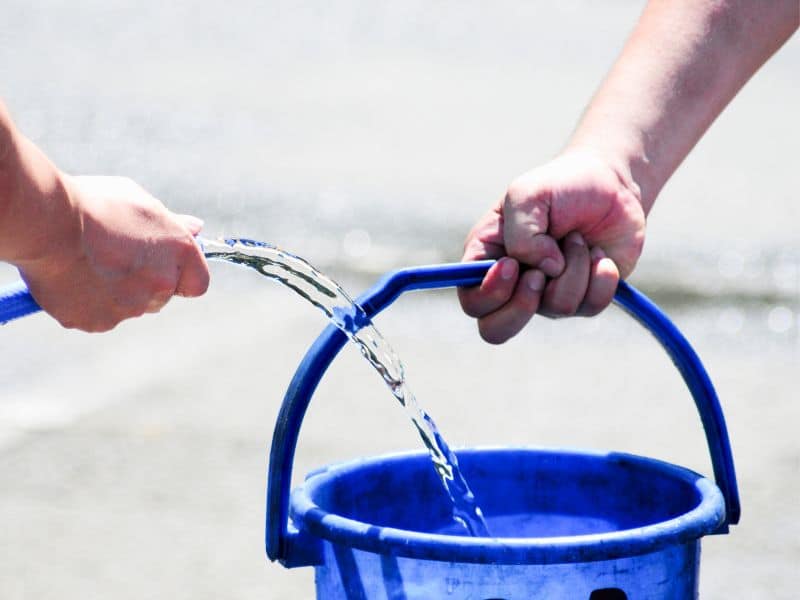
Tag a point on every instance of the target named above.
point(567, 523)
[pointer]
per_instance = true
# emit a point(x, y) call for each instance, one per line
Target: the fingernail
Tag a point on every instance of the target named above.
point(536, 281)
point(597, 253)
point(576, 238)
point(550, 267)
point(507, 269)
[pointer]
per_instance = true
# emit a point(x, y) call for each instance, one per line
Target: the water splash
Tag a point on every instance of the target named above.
point(327, 295)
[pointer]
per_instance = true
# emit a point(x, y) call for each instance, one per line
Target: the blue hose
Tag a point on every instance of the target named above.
point(15, 302)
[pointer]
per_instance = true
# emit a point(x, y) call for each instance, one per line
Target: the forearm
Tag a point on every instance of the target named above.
point(37, 217)
point(7, 173)
point(683, 63)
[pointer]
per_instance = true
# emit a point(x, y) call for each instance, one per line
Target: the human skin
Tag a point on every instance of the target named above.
point(567, 231)
point(92, 250)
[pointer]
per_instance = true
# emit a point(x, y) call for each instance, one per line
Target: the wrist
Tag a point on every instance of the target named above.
point(627, 157)
point(8, 180)
point(39, 217)
point(9, 185)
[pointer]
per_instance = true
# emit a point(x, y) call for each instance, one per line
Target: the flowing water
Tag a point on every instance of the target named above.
point(342, 311)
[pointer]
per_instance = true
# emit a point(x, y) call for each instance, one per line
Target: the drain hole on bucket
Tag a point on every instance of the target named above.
point(608, 594)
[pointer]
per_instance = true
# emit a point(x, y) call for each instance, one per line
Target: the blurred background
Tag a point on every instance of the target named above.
point(365, 137)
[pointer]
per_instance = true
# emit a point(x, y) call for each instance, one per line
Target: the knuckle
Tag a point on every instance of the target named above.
point(519, 190)
point(526, 192)
point(517, 245)
point(528, 247)
point(521, 245)
point(471, 242)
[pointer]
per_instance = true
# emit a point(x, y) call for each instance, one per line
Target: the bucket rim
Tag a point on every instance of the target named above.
point(705, 518)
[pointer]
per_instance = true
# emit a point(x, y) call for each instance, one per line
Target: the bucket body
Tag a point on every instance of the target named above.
point(349, 574)
point(566, 524)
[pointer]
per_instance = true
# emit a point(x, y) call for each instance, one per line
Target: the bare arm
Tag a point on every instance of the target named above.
point(578, 222)
point(93, 250)
point(36, 213)
point(682, 65)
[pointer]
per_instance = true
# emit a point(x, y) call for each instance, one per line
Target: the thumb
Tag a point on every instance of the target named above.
point(194, 276)
point(526, 219)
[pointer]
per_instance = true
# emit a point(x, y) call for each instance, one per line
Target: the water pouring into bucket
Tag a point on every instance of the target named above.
point(327, 295)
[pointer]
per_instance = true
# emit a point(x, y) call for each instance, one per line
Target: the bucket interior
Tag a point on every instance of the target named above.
point(524, 493)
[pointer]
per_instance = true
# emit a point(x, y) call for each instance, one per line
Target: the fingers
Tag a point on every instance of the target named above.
point(494, 291)
point(194, 277)
point(564, 294)
point(587, 285)
point(526, 219)
point(485, 239)
point(537, 250)
point(507, 299)
point(502, 324)
point(602, 284)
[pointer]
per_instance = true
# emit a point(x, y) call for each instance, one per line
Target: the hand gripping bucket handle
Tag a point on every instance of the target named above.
point(16, 301)
point(284, 543)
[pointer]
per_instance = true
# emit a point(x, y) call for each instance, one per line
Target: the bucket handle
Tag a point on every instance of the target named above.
point(288, 545)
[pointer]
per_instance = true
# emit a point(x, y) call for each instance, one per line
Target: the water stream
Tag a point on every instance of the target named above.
point(324, 293)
